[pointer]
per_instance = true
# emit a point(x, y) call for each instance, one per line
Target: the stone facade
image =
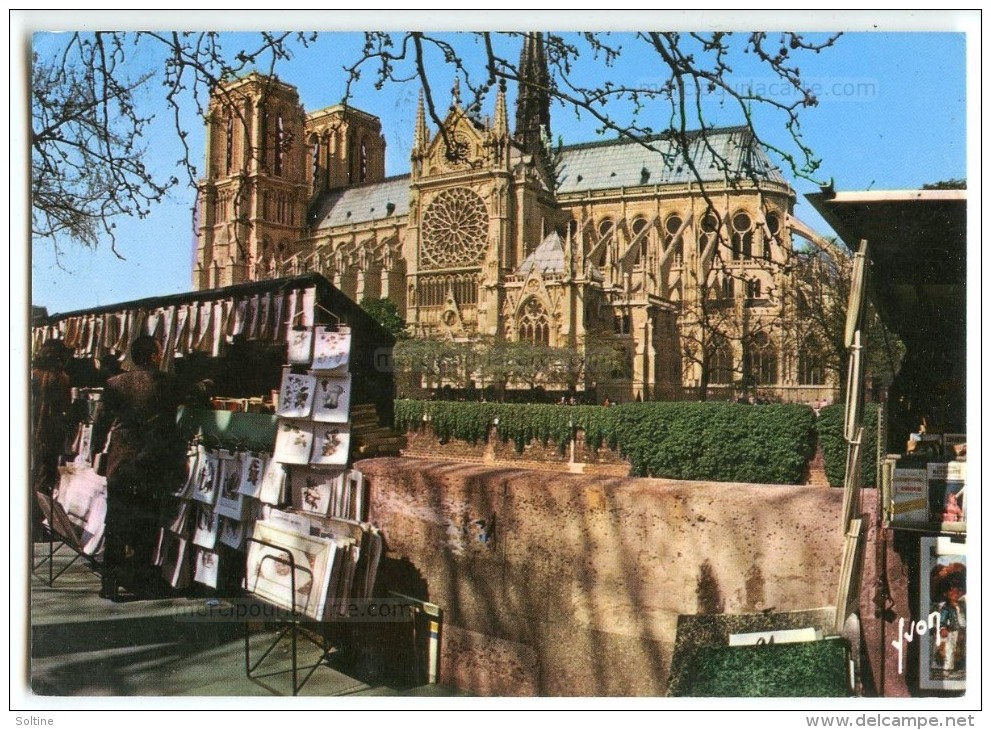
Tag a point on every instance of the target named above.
point(673, 254)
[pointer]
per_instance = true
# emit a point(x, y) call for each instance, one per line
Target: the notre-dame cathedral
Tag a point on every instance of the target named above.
point(674, 254)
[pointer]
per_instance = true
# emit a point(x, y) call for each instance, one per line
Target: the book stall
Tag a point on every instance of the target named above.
point(270, 506)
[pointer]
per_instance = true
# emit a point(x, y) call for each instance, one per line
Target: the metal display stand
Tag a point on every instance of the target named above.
point(60, 531)
point(291, 626)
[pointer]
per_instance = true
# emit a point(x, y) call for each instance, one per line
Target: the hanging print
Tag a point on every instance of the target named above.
point(332, 398)
point(293, 442)
point(300, 341)
point(331, 348)
point(207, 482)
point(252, 470)
point(331, 443)
point(295, 395)
point(315, 491)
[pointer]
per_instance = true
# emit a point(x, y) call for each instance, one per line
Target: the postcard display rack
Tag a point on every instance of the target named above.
point(318, 553)
point(928, 498)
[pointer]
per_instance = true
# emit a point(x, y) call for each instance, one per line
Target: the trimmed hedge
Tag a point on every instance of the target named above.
point(727, 442)
point(830, 427)
point(769, 444)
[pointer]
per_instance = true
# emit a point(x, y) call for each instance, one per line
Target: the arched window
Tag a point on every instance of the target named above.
point(230, 144)
point(708, 230)
point(762, 360)
point(672, 227)
point(753, 289)
point(263, 141)
point(811, 363)
point(639, 226)
point(280, 145)
point(533, 324)
point(605, 231)
point(774, 228)
point(729, 288)
point(743, 236)
point(315, 164)
point(363, 156)
point(573, 229)
point(720, 362)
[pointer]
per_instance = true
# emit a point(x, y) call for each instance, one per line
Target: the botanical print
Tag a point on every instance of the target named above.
point(300, 342)
point(331, 444)
point(332, 400)
point(295, 395)
point(313, 491)
point(293, 442)
point(331, 348)
point(943, 610)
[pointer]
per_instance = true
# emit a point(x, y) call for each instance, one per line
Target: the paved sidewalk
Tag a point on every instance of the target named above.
point(83, 645)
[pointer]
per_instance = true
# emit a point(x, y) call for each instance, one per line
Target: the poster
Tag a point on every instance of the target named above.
point(943, 606)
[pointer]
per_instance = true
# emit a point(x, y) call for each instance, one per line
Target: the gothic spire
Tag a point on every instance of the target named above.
point(420, 134)
point(533, 105)
point(501, 125)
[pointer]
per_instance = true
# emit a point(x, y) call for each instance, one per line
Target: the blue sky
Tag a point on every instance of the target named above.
point(892, 115)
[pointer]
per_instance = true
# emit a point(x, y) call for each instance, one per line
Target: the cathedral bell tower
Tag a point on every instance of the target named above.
point(253, 198)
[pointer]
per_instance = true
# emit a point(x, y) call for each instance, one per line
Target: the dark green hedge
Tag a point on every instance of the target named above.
point(830, 429)
point(520, 423)
point(705, 441)
point(726, 442)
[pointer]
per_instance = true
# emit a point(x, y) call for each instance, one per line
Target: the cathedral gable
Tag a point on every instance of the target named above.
point(463, 149)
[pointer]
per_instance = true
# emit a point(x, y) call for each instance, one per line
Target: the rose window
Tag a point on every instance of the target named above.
point(455, 229)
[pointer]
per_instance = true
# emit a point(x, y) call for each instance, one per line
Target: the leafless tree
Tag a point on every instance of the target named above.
point(88, 130)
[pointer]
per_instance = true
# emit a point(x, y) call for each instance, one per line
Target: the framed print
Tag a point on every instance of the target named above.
point(331, 348)
point(230, 501)
point(300, 345)
point(315, 491)
point(295, 395)
point(331, 444)
point(293, 442)
point(207, 527)
point(943, 609)
point(332, 398)
point(207, 479)
point(253, 467)
point(270, 574)
point(206, 567)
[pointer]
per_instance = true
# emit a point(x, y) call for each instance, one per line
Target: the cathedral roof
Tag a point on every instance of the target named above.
point(362, 203)
point(547, 258)
point(620, 163)
point(591, 166)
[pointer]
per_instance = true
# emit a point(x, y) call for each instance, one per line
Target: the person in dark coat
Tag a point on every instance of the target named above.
point(145, 461)
point(50, 401)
